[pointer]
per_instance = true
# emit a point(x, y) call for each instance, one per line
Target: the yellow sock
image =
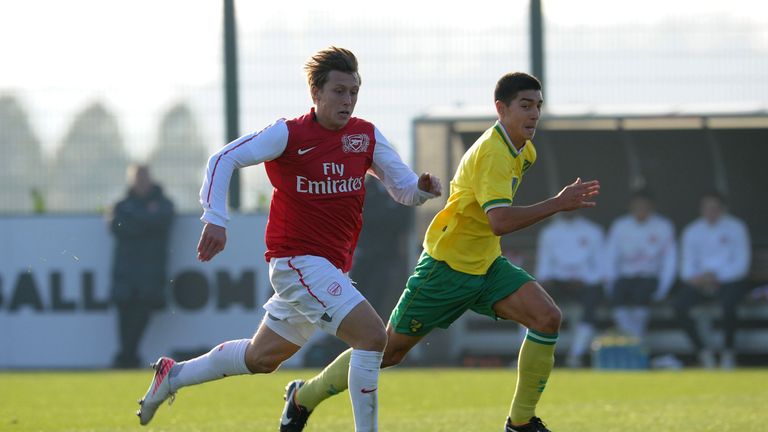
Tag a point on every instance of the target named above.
point(534, 364)
point(332, 380)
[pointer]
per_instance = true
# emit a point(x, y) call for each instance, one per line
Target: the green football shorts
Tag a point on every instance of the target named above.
point(436, 295)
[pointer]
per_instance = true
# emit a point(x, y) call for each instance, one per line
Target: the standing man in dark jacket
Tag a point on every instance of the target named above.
point(141, 225)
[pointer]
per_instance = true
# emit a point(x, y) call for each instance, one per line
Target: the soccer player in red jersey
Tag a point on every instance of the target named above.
point(317, 164)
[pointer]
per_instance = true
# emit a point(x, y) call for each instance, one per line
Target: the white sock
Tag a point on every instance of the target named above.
point(222, 361)
point(364, 369)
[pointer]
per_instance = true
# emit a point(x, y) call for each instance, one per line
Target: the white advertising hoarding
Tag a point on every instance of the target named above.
point(55, 283)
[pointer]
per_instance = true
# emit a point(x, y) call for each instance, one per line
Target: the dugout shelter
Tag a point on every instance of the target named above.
point(678, 153)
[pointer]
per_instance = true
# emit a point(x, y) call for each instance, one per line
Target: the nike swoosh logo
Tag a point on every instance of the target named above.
point(305, 150)
point(365, 390)
point(285, 419)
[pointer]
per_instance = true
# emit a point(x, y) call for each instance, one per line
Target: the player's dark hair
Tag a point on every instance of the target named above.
point(513, 83)
point(330, 59)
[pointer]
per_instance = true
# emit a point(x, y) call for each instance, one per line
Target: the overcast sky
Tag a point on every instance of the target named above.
point(141, 56)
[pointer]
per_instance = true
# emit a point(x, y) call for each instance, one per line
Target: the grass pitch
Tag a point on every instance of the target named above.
point(413, 400)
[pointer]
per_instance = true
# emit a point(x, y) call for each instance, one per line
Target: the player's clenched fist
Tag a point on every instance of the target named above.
point(212, 241)
point(430, 183)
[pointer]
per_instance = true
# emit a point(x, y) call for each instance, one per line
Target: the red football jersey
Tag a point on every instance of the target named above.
point(319, 190)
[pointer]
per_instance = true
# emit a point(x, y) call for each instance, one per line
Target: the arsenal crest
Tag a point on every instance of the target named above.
point(357, 143)
point(334, 289)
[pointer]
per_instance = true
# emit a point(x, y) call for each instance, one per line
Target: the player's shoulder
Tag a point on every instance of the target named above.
point(494, 140)
point(489, 144)
point(301, 120)
point(301, 126)
point(278, 126)
point(476, 154)
point(276, 131)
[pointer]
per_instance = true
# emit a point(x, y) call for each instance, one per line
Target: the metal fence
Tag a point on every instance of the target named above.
point(104, 85)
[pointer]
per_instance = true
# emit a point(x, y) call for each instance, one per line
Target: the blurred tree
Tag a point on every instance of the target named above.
point(21, 167)
point(89, 168)
point(179, 156)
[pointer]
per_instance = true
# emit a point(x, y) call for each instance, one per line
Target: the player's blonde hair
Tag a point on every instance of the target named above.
point(329, 59)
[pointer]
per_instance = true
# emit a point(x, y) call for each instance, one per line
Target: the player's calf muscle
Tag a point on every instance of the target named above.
point(267, 359)
point(393, 358)
point(263, 364)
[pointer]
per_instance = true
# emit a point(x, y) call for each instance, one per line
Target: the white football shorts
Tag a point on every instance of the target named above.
point(309, 293)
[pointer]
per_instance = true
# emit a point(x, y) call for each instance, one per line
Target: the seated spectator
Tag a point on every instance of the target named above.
point(568, 266)
point(715, 261)
point(641, 257)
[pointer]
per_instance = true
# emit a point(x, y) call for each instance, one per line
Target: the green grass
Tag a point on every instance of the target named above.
point(414, 400)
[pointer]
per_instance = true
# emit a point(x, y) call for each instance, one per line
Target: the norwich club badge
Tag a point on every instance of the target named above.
point(415, 325)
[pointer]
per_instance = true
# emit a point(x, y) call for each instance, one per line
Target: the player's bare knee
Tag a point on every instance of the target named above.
point(374, 341)
point(378, 340)
point(381, 340)
point(548, 320)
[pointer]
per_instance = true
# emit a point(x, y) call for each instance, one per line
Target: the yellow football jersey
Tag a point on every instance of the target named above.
point(487, 177)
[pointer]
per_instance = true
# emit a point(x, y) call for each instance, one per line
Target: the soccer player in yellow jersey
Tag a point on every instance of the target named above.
point(462, 267)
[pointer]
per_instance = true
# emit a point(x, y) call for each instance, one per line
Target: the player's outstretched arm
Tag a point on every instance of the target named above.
point(212, 241)
point(577, 195)
point(403, 185)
